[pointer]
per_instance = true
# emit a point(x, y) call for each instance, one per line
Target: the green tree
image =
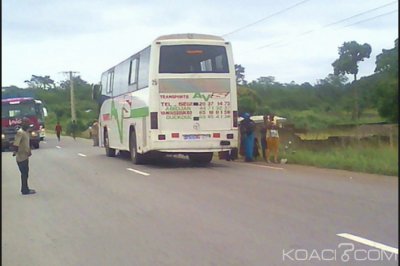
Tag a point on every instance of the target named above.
point(239, 71)
point(248, 100)
point(350, 53)
point(59, 113)
point(40, 82)
point(388, 60)
point(270, 80)
point(387, 93)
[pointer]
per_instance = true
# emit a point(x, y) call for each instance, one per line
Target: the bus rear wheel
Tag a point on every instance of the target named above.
point(201, 157)
point(136, 157)
point(110, 152)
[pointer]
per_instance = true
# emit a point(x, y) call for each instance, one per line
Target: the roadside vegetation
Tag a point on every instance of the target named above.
point(330, 102)
point(365, 158)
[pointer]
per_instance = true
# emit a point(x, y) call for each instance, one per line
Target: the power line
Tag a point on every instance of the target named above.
point(329, 25)
point(359, 14)
point(358, 22)
point(265, 18)
point(365, 20)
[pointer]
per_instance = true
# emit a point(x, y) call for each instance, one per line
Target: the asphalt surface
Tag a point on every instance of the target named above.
point(94, 210)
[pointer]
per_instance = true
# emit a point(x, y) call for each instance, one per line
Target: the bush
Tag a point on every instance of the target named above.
point(80, 127)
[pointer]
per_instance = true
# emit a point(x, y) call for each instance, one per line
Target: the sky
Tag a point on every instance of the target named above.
point(290, 40)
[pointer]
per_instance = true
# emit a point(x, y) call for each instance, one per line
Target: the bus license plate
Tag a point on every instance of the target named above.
point(196, 136)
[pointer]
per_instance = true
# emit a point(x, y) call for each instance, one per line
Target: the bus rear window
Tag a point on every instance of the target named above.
point(193, 59)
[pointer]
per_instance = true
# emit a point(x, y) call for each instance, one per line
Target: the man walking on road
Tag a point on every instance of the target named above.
point(22, 151)
point(58, 131)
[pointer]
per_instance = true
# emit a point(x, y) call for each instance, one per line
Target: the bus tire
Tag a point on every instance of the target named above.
point(110, 152)
point(136, 157)
point(201, 157)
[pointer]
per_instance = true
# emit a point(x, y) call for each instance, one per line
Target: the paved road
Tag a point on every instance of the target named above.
point(95, 210)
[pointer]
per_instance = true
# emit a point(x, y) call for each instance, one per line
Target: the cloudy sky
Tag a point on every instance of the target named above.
point(291, 40)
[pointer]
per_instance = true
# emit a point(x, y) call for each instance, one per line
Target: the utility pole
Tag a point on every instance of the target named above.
point(71, 83)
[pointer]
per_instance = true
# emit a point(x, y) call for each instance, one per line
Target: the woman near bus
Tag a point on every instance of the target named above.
point(272, 138)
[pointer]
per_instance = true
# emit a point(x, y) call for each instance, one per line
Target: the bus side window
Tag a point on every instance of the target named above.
point(110, 83)
point(133, 74)
point(103, 87)
point(143, 73)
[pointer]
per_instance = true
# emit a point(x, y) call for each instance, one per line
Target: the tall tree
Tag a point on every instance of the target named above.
point(40, 82)
point(350, 53)
point(239, 71)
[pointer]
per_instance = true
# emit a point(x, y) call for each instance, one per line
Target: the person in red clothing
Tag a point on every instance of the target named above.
point(58, 130)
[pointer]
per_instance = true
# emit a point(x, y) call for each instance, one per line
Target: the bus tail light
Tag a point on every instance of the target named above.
point(153, 120)
point(229, 136)
point(235, 118)
point(216, 135)
point(175, 135)
point(161, 137)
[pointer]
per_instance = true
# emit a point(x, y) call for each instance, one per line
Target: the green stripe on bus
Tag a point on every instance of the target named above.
point(140, 112)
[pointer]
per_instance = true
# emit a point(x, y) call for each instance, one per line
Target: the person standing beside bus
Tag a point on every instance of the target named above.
point(95, 133)
point(263, 139)
point(22, 151)
point(247, 127)
point(58, 131)
point(272, 139)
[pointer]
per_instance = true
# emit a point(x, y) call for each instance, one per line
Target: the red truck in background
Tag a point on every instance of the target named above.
point(12, 112)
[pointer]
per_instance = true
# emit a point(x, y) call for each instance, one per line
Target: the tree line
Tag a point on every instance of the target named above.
point(57, 99)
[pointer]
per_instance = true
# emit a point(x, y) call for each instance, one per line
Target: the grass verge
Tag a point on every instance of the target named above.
point(369, 159)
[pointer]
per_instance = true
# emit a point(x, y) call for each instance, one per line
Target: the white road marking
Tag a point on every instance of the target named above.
point(264, 166)
point(44, 142)
point(58, 147)
point(81, 154)
point(369, 243)
point(271, 167)
point(137, 171)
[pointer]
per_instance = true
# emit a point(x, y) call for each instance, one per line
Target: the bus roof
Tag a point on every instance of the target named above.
point(189, 36)
point(21, 99)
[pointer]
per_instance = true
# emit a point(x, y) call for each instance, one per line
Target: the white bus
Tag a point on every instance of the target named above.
point(176, 96)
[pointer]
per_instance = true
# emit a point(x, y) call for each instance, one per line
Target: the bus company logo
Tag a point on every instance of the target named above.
point(16, 121)
point(199, 95)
